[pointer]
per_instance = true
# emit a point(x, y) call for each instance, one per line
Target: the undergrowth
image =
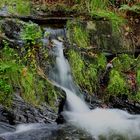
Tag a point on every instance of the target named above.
point(18, 7)
point(16, 77)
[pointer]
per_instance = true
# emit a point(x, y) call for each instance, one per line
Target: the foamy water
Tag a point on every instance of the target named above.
point(98, 122)
point(106, 122)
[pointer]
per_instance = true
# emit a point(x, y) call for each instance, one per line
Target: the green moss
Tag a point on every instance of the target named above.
point(77, 34)
point(31, 34)
point(78, 66)
point(123, 62)
point(5, 93)
point(101, 61)
point(117, 84)
point(101, 9)
point(138, 77)
point(91, 78)
point(86, 72)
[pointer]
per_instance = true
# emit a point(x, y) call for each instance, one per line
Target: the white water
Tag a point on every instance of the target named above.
point(97, 122)
point(24, 128)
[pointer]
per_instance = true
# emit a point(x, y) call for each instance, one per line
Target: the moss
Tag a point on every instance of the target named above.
point(19, 7)
point(101, 61)
point(123, 62)
point(91, 78)
point(117, 84)
point(85, 72)
point(78, 66)
point(77, 34)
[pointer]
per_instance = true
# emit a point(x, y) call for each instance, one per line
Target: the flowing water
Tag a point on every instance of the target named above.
point(82, 123)
point(100, 123)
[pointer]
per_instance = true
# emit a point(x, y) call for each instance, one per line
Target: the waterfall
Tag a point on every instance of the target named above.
point(109, 123)
point(64, 80)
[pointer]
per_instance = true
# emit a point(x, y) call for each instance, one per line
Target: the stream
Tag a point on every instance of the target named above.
point(82, 123)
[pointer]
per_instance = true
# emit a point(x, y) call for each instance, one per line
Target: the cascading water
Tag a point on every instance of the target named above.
point(108, 123)
point(62, 76)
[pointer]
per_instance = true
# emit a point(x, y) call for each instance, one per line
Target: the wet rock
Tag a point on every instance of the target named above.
point(23, 112)
point(11, 28)
point(6, 115)
point(4, 127)
point(124, 104)
point(104, 37)
point(92, 101)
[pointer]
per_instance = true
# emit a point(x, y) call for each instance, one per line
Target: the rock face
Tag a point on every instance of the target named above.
point(124, 104)
point(106, 38)
point(11, 32)
point(6, 128)
point(11, 28)
point(21, 112)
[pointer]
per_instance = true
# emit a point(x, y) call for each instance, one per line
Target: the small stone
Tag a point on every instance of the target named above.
point(126, 33)
point(60, 39)
point(137, 20)
point(108, 36)
point(91, 26)
point(127, 28)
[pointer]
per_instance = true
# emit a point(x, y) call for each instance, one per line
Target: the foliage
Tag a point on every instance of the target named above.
point(5, 93)
point(138, 77)
point(134, 8)
point(78, 35)
point(101, 61)
point(123, 62)
point(86, 72)
point(81, 37)
point(77, 65)
point(28, 86)
point(91, 78)
point(17, 6)
point(14, 76)
point(94, 5)
point(29, 83)
point(100, 8)
point(117, 84)
point(51, 95)
point(136, 97)
point(9, 76)
point(31, 33)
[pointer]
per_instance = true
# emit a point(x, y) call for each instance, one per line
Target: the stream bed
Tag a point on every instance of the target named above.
point(45, 132)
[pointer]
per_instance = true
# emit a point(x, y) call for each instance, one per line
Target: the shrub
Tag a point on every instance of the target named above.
point(31, 34)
